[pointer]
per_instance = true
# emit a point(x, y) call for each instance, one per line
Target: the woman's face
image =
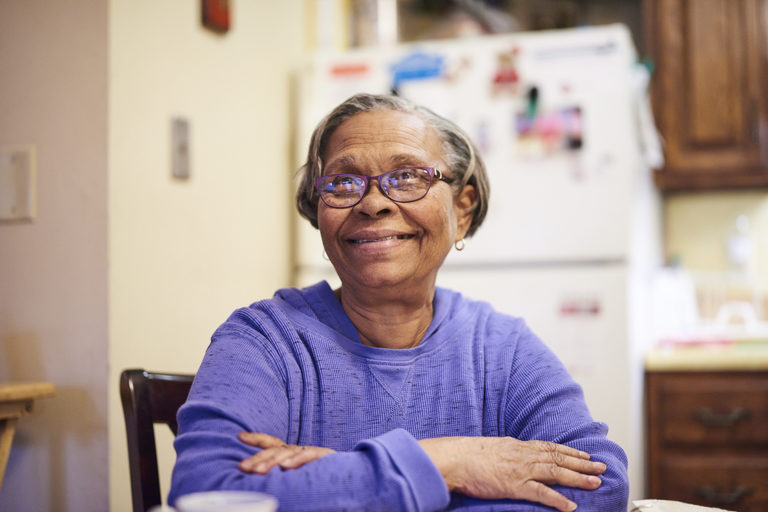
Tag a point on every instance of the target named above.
point(379, 242)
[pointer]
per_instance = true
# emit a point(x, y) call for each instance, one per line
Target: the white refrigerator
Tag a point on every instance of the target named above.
point(571, 239)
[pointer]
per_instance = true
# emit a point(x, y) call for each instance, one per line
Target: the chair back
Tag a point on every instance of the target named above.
point(149, 398)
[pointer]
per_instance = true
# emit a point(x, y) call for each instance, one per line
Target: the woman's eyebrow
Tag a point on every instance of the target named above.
point(342, 162)
point(404, 159)
point(349, 162)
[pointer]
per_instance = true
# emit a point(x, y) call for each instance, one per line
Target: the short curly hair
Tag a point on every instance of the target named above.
point(464, 161)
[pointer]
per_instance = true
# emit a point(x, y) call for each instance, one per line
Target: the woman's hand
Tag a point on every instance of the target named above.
point(276, 453)
point(505, 467)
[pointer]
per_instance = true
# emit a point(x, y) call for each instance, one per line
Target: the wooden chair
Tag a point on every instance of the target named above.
point(149, 398)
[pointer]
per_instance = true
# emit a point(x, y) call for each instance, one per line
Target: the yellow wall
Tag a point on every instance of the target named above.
point(696, 229)
point(184, 254)
point(697, 226)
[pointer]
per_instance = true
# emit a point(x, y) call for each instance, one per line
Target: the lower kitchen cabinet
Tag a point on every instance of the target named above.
point(708, 438)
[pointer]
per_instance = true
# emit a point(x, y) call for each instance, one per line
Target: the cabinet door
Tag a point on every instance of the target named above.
point(729, 482)
point(717, 410)
point(709, 90)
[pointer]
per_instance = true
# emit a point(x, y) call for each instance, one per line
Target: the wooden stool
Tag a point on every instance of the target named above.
point(16, 400)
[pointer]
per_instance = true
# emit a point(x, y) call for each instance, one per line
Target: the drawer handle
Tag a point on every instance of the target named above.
point(722, 498)
point(711, 419)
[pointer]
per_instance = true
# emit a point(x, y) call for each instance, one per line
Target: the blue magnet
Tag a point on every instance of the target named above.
point(417, 66)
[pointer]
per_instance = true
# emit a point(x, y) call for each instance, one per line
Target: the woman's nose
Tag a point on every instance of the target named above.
point(374, 202)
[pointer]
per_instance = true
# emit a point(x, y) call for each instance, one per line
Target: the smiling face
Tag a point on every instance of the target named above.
point(379, 242)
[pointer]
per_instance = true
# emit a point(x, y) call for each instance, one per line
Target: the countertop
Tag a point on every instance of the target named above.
point(724, 356)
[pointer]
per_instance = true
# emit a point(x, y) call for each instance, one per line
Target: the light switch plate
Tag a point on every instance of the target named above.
point(17, 183)
point(180, 148)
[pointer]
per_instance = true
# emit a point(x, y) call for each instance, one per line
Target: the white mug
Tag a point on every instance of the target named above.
point(222, 501)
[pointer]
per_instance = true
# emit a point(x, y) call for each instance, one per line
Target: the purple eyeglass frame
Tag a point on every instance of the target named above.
point(433, 173)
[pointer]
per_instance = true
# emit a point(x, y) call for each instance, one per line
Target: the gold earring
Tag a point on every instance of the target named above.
point(459, 245)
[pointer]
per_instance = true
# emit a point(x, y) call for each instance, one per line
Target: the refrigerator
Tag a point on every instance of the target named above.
point(571, 239)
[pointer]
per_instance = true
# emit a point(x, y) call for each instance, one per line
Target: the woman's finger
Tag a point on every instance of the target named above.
point(277, 457)
point(272, 457)
point(569, 458)
point(586, 467)
point(305, 455)
point(276, 453)
point(267, 458)
point(563, 467)
point(550, 474)
point(540, 493)
point(577, 464)
point(547, 446)
point(260, 439)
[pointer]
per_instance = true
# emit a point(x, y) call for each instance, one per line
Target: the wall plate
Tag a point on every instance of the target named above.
point(180, 148)
point(18, 184)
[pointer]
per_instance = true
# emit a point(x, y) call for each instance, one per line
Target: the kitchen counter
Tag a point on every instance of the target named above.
point(734, 356)
point(706, 414)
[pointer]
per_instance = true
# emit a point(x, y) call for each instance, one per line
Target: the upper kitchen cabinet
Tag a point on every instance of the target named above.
point(710, 91)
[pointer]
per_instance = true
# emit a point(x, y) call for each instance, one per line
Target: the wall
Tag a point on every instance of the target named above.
point(53, 270)
point(697, 226)
point(184, 254)
point(93, 85)
point(696, 229)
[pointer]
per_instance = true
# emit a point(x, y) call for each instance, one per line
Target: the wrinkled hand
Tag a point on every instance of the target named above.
point(276, 453)
point(505, 467)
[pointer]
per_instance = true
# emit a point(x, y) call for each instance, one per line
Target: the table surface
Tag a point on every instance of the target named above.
point(13, 391)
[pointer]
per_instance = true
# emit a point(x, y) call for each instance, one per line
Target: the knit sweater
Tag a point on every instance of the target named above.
point(294, 367)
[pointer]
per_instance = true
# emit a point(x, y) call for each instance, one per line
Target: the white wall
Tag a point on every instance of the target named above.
point(53, 270)
point(184, 254)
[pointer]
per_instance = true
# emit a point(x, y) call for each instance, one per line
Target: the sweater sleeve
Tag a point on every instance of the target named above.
point(544, 403)
point(241, 388)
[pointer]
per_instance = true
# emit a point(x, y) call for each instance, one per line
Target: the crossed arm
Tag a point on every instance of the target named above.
point(481, 467)
point(394, 470)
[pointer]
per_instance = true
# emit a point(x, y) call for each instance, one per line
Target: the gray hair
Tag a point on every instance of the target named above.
point(465, 164)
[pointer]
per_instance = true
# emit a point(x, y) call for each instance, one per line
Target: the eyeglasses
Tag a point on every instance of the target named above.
point(404, 185)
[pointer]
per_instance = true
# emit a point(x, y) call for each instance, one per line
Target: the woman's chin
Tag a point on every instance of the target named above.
point(383, 276)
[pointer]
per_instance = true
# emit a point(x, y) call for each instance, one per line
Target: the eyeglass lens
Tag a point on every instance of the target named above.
point(402, 185)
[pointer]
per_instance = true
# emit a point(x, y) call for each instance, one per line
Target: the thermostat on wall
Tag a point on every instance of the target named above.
point(17, 184)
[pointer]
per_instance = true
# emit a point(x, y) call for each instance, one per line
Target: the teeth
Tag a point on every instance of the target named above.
point(365, 241)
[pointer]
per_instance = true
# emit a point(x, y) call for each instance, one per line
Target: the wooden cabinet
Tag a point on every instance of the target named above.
point(708, 438)
point(710, 91)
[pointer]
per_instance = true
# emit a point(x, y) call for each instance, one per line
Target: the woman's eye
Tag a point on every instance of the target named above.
point(343, 181)
point(408, 175)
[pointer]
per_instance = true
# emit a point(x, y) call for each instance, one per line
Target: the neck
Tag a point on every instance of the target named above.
point(389, 319)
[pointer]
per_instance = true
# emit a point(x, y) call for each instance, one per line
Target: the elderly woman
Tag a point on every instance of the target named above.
point(389, 393)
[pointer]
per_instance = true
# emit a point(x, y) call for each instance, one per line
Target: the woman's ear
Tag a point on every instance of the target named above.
point(465, 206)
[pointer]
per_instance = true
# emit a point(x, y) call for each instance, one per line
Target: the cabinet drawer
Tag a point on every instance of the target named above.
point(716, 409)
point(731, 483)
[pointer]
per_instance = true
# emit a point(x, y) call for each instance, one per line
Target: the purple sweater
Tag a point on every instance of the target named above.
point(293, 366)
